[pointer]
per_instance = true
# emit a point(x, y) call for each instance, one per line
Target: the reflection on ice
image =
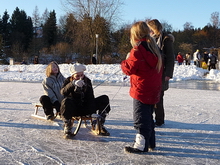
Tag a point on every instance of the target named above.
point(196, 84)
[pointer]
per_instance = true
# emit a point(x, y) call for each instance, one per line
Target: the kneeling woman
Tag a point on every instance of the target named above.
point(79, 99)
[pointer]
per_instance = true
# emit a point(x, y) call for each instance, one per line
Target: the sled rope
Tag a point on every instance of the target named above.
point(104, 110)
point(106, 79)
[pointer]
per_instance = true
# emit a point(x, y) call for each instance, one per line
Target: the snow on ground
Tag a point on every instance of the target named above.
point(111, 73)
point(191, 134)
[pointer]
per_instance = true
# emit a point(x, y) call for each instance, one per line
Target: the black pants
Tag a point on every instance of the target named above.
point(48, 105)
point(71, 107)
point(211, 66)
point(144, 123)
point(159, 110)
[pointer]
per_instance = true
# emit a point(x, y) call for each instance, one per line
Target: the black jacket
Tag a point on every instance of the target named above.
point(83, 97)
point(169, 58)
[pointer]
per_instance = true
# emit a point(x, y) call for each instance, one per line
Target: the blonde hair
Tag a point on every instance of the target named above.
point(140, 30)
point(155, 26)
point(49, 68)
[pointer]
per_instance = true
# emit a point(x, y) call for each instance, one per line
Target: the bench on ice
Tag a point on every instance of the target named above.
point(77, 120)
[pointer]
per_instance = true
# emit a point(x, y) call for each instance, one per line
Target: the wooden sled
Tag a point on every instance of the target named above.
point(37, 106)
point(76, 121)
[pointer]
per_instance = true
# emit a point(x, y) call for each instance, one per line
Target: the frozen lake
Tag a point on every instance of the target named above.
point(190, 134)
point(188, 84)
point(196, 84)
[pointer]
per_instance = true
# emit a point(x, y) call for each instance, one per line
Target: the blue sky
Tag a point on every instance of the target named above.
point(174, 12)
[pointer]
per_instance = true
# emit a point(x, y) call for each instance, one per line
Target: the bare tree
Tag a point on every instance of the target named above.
point(166, 27)
point(36, 17)
point(215, 19)
point(108, 9)
point(186, 48)
point(188, 26)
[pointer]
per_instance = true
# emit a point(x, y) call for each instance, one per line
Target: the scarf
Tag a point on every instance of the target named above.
point(159, 42)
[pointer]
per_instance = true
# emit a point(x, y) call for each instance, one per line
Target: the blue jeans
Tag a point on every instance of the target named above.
point(144, 123)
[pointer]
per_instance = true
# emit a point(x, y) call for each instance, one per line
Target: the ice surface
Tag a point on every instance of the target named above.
point(191, 134)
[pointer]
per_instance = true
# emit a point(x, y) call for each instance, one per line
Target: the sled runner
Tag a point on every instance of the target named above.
point(93, 119)
point(35, 115)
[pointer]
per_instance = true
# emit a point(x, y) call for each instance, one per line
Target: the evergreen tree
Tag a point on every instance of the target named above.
point(1, 25)
point(21, 29)
point(70, 29)
point(6, 30)
point(50, 30)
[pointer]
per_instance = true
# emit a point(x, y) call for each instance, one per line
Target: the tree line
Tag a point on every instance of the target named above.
point(191, 39)
point(75, 37)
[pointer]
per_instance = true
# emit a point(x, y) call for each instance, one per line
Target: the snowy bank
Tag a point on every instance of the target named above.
point(110, 73)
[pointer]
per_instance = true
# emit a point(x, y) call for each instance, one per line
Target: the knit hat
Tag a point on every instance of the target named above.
point(76, 68)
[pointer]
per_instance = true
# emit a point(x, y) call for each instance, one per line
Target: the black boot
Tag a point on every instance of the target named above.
point(133, 150)
point(67, 128)
point(104, 132)
point(50, 117)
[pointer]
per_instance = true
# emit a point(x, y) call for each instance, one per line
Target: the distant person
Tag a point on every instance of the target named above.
point(144, 66)
point(196, 58)
point(36, 60)
point(165, 43)
point(204, 64)
point(212, 61)
point(23, 62)
point(79, 100)
point(179, 58)
point(52, 85)
point(206, 57)
point(94, 61)
point(188, 58)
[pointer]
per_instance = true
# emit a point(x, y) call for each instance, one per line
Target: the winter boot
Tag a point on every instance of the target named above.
point(104, 132)
point(67, 129)
point(139, 145)
point(50, 117)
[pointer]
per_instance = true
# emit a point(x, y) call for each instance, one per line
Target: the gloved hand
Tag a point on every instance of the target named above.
point(78, 83)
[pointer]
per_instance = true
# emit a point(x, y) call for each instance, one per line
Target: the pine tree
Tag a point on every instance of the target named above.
point(21, 29)
point(50, 30)
point(5, 30)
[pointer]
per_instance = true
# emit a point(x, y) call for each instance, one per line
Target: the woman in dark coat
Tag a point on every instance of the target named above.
point(79, 99)
point(165, 43)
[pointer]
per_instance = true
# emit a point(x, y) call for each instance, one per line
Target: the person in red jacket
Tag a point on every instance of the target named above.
point(144, 66)
point(179, 59)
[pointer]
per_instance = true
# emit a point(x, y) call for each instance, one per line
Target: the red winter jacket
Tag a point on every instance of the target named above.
point(180, 58)
point(144, 78)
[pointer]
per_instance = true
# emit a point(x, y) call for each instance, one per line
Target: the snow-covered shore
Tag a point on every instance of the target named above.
point(111, 73)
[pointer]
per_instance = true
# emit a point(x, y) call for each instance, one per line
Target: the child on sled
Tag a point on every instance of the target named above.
point(79, 99)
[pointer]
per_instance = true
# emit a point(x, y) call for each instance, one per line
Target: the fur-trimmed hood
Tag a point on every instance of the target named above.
point(170, 36)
